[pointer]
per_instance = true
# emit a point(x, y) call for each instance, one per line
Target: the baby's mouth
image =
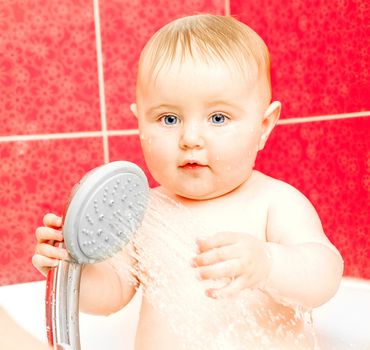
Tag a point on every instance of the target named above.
point(192, 165)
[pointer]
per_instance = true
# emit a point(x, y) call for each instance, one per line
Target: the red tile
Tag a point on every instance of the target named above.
point(319, 53)
point(48, 69)
point(36, 177)
point(128, 148)
point(126, 26)
point(330, 163)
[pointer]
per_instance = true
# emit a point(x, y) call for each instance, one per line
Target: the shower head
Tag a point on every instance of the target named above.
point(103, 212)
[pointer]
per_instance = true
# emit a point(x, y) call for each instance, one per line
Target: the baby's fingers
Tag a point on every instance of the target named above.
point(43, 263)
point(52, 220)
point(228, 268)
point(219, 239)
point(44, 234)
point(230, 290)
point(50, 251)
point(214, 256)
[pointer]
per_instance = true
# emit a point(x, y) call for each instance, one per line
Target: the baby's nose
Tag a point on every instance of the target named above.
point(192, 137)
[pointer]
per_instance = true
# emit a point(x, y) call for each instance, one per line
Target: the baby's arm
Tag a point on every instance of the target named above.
point(296, 263)
point(305, 266)
point(102, 290)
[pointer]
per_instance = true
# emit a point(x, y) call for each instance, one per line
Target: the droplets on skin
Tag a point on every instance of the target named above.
point(163, 249)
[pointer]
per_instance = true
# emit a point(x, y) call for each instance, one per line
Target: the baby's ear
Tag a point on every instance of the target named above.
point(270, 119)
point(133, 108)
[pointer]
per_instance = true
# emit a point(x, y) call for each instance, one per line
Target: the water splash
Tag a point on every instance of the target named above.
point(162, 251)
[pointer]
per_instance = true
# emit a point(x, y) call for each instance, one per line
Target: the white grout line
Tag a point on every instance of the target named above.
point(128, 132)
point(320, 118)
point(99, 56)
point(40, 137)
point(227, 8)
point(70, 135)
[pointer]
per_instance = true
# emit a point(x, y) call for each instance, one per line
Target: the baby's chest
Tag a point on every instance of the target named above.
point(251, 219)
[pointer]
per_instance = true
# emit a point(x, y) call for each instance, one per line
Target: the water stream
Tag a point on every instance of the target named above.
point(163, 249)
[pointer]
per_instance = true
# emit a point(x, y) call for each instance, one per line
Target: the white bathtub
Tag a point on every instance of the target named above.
point(341, 324)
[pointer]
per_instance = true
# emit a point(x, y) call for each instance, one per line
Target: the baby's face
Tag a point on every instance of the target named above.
point(200, 128)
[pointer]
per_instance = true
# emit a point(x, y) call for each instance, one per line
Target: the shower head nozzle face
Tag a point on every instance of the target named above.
point(104, 211)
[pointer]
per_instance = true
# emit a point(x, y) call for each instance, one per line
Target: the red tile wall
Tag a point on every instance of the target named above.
point(49, 102)
point(320, 53)
point(48, 77)
point(319, 50)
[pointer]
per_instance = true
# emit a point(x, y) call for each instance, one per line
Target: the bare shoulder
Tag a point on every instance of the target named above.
point(275, 190)
point(292, 218)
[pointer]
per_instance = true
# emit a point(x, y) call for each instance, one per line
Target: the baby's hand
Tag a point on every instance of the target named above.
point(239, 257)
point(46, 254)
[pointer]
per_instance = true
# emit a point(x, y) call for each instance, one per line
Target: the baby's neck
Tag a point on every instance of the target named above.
point(193, 202)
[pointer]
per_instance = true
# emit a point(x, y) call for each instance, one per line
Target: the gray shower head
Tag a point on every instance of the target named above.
point(104, 211)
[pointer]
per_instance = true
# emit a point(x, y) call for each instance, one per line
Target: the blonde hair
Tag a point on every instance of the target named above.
point(209, 37)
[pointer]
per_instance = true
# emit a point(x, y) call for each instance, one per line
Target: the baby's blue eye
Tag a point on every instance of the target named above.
point(170, 119)
point(218, 118)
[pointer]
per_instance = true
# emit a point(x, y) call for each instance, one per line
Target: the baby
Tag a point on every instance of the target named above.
point(204, 110)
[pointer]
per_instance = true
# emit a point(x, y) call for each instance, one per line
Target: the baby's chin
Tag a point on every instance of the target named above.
point(206, 195)
point(202, 191)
